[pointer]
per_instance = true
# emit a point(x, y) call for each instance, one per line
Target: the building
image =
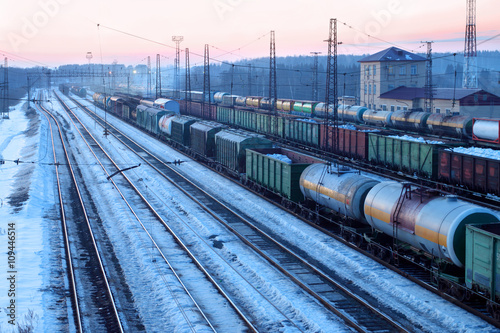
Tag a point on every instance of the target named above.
point(472, 102)
point(387, 70)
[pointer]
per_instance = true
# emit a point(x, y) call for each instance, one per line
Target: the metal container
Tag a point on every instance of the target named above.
point(477, 173)
point(410, 120)
point(167, 104)
point(231, 145)
point(219, 96)
point(240, 101)
point(320, 110)
point(442, 124)
point(265, 167)
point(203, 137)
point(181, 129)
point(149, 118)
point(402, 154)
point(378, 118)
point(342, 190)
point(352, 113)
point(305, 131)
point(487, 130)
point(482, 259)
point(432, 224)
point(165, 124)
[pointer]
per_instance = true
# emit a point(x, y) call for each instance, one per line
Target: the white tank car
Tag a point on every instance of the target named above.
point(487, 129)
point(434, 224)
point(341, 191)
point(378, 118)
point(165, 124)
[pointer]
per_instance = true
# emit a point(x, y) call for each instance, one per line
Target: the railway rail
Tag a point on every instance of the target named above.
point(356, 312)
point(201, 315)
point(86, 274)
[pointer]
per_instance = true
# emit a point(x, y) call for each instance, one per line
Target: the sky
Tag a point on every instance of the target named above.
point(55, 32)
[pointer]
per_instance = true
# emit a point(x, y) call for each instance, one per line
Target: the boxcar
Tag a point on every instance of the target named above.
point(231, 145)
point(482, 259)
point(477, 173)
point(225, 115)
point(195, 109)
point(116, 105)
point(353, 140)
point(269, 124)
point(404, 154)
point(267, 168)
point(304, 131)
point(167, 104)
point(203, 137)
point(181, 132)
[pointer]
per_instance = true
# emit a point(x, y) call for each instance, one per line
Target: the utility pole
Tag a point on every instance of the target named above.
point(89, 57)
point(470, 51)
point(188, 84)
point(5, 94)
point(158, 77)
point(315, 77)
point(273, 89)
point(177, 40)
point(149, 92)
point(206, 82)
point(428, 92)
point(331, 85)
point(249, 79)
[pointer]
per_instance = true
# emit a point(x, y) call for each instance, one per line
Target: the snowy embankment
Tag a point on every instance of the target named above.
point(424, 309)
point(29, 216)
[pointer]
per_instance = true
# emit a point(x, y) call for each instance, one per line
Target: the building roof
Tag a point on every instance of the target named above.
point(392, 54)
point(410, 93)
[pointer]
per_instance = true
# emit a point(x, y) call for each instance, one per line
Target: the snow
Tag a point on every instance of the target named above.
point(415, 139)
point(477, 151)
point(408, 57)
point(281, 157)
point(27, 200)
point(349, 127)
point(39, 267)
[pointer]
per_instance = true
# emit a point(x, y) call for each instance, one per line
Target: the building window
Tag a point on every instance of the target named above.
point(369, 106)
point(390, 70)
point(392, 107)
point(374, 89)
point(476, 98)
point(390, 86)
point(384, 107)
point(374, 69)
point(455, 113)
point(413, 69)
point(485, 97)
point(448, 111)
point(402, 70)
point(369, 89)
point(398, 108)
point(438, 110)
point(366, 88)
point(405, 108)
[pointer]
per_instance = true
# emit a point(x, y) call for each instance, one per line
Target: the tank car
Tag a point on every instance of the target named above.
point(410, 120)
point(219, 96)
point(433, 224)
point(320, 110)
point(487, 130)
point(240, 101)
point(351, 113)
point(343, 191)
point(442, 124)
point(378, 118)
point(167, 104)
point(165, 124)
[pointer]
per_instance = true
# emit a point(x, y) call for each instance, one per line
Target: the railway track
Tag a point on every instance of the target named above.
point(93, 303)
point(194, 314)
point(334, 296)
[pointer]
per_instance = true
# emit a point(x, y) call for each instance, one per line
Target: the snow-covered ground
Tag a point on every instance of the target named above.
point(426, 310)
point(27, 198)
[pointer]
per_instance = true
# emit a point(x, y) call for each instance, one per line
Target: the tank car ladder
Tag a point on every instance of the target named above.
point(405, 194)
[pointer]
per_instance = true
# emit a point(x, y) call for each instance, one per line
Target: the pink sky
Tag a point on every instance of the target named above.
point(55, 32)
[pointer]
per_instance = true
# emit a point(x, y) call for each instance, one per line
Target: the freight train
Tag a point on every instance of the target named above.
point(421, 220)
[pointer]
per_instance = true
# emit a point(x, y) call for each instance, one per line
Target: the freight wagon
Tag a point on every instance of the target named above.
point(408, 154)
point(278, 170)
point(482, 266)
point(477, 173)
point(231, 145)
point(203, 137)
